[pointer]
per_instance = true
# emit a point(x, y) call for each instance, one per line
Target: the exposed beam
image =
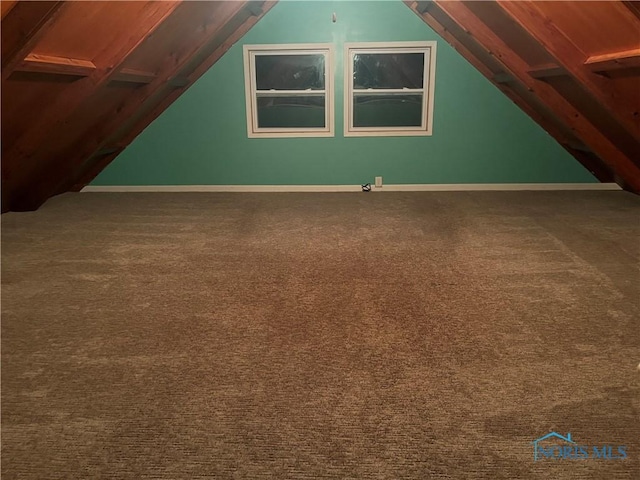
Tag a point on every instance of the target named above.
point(56, 65)
point(231, 33)
point(6, 6)
point(22, 28)
point(633, 6)
point(66, 103)
point(502, 78)
point(234, 29)
point(614, 61)
point(128, 124)
point(421, 7)
point(588, 133)
point(579, 146)
point(541, 28)
point(27, 163)
point(426, 10)
point(103, 152)
point(131, 75)
point(255, 8)
point(480, 58)
point(179, 81)
point(592, 162)
point(222, 19)
point(547, 71)
point(559, 130)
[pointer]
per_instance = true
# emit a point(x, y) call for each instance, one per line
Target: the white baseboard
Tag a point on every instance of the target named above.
point(471, 187)
point(223, 188)
point(419, 187)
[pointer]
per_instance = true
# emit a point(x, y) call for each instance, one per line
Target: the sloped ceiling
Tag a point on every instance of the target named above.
point(574, 67)
point(80, 80)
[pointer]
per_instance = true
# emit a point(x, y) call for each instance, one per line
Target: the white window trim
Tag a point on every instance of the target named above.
point(429, 77)
point(253, 131)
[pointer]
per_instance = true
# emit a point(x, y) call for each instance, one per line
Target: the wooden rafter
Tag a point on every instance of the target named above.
point(468, 47)
point(139, 109)
point(65, 104)
point(501, 78)
point(57, 114)
point(6, 6)
point(633, 6)
point(614, 61)
point(132, 75)
point(95, 92)
point(23, 24)
point(547, 71)
point(226, 19)
point(56, 65)
point(425, 10)
point(570, 58)
point(515, 66)
point(234, 30)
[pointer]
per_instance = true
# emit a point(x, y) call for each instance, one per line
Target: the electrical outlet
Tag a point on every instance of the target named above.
point(378, 182)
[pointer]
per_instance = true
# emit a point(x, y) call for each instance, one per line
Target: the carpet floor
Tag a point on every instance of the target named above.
point(302, 336)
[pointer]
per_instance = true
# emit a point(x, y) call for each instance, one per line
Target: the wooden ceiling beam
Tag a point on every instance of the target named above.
point(633, 6)
point(54, 115)
point(159, 97)
point(515, 66)
point(501, 78)
point(234, 29)
point(592, 162)
point(30, 154)
point(547, 71)
point(420, 7)
point(131, 75)
point(179, 81)
point(23, 26)
point(614, 61)
point(56, 65)
point(542, 29)
point(6, 6)
point(103, 152)
point(581, 147)
point(433, 16)
point(223, 21)
point(423, 10)
point(466, 44)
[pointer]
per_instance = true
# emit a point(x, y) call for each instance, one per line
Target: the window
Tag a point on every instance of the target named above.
point(289, 90)
point(389, 88)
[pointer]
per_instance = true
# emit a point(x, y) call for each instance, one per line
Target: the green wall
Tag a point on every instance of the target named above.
point(479, 135)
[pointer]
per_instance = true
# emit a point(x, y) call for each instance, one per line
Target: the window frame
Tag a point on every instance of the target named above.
point(251, 92)
point(428, 48)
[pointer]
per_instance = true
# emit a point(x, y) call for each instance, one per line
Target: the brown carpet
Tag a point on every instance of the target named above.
point(303, 336)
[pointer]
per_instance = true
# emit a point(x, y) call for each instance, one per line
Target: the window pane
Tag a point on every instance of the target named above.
point(388, 70)
point(290, 72)
point(291, 112)
point(387, 110)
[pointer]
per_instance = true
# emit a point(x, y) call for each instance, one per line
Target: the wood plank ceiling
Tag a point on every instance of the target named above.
point(80, 80)
point(574, 67)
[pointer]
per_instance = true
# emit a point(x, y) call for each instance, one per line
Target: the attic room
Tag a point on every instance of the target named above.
point(320, 239)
